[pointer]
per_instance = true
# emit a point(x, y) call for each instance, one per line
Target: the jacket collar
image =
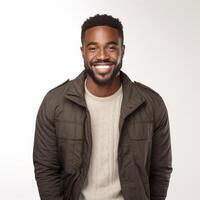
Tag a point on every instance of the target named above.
point(132, 99)
point(75, 90)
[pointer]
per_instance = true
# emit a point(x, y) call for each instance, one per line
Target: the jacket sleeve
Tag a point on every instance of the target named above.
point(161, 157)
point(45, 155)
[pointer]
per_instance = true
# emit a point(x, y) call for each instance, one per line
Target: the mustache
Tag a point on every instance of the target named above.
point(108, 62)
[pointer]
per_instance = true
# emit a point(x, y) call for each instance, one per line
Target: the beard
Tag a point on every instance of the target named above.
point(103, 82)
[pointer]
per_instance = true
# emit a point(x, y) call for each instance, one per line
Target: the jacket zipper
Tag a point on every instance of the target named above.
point(120, 132)
point(89, 149)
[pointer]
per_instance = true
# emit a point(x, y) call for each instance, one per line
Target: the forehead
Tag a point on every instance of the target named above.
point(101, 34)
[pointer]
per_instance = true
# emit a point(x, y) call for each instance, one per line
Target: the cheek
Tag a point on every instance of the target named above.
point(90, 58)
point(86, 58)
point(117, 57)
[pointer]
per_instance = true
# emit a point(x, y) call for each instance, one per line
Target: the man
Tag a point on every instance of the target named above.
point(102, 136)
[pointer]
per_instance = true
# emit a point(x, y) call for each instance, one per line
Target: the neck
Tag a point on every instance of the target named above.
point(103, 91)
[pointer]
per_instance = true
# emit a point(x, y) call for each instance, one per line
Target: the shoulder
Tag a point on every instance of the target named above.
point(146, 91)
point(154, 102)
point(151, 96)
point(57, 92)
point(53, 98)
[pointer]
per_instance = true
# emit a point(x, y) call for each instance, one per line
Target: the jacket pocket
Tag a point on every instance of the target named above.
point(140, 131)
point(70, 130)
point(140, 135)
point(70, 145)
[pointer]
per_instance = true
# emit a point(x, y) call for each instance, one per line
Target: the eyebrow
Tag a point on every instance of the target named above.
point(95, 43)
point(115, 43)
point(91, 43)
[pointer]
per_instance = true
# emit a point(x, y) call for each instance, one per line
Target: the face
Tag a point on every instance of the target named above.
point(102, 52)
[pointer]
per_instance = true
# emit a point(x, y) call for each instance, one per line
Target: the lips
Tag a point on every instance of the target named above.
point(103, 68)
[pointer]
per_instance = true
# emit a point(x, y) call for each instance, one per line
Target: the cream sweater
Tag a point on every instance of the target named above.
point(103, 182)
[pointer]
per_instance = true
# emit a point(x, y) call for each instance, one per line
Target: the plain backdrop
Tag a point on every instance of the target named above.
point(40, 49)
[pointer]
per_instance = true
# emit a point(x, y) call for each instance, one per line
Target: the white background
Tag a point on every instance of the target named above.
point(39, 49)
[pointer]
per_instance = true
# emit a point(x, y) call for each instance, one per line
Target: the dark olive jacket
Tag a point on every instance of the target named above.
point(63, 142)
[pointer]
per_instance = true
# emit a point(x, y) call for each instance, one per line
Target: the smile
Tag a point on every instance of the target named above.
point(102, 66)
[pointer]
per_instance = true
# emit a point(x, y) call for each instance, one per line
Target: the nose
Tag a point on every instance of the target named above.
point(102, 54)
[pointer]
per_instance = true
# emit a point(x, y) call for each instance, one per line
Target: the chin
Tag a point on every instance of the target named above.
point(103, 81)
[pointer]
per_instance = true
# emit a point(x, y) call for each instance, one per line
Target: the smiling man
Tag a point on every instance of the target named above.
point(101, 136)
point(102, 52)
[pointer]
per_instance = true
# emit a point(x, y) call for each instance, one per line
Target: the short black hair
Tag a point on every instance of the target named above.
point(102, 20)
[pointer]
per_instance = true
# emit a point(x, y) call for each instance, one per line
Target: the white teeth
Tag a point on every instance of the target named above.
point(102, 66)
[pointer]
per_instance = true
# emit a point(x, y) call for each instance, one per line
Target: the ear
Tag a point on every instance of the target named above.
point(123, 50)
point(82, 51)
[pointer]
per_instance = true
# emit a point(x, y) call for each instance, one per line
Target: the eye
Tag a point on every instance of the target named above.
point(92, 48)
point(112, 47)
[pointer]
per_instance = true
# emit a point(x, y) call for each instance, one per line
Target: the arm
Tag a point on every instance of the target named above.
point(45, 155)
point(161, 157)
